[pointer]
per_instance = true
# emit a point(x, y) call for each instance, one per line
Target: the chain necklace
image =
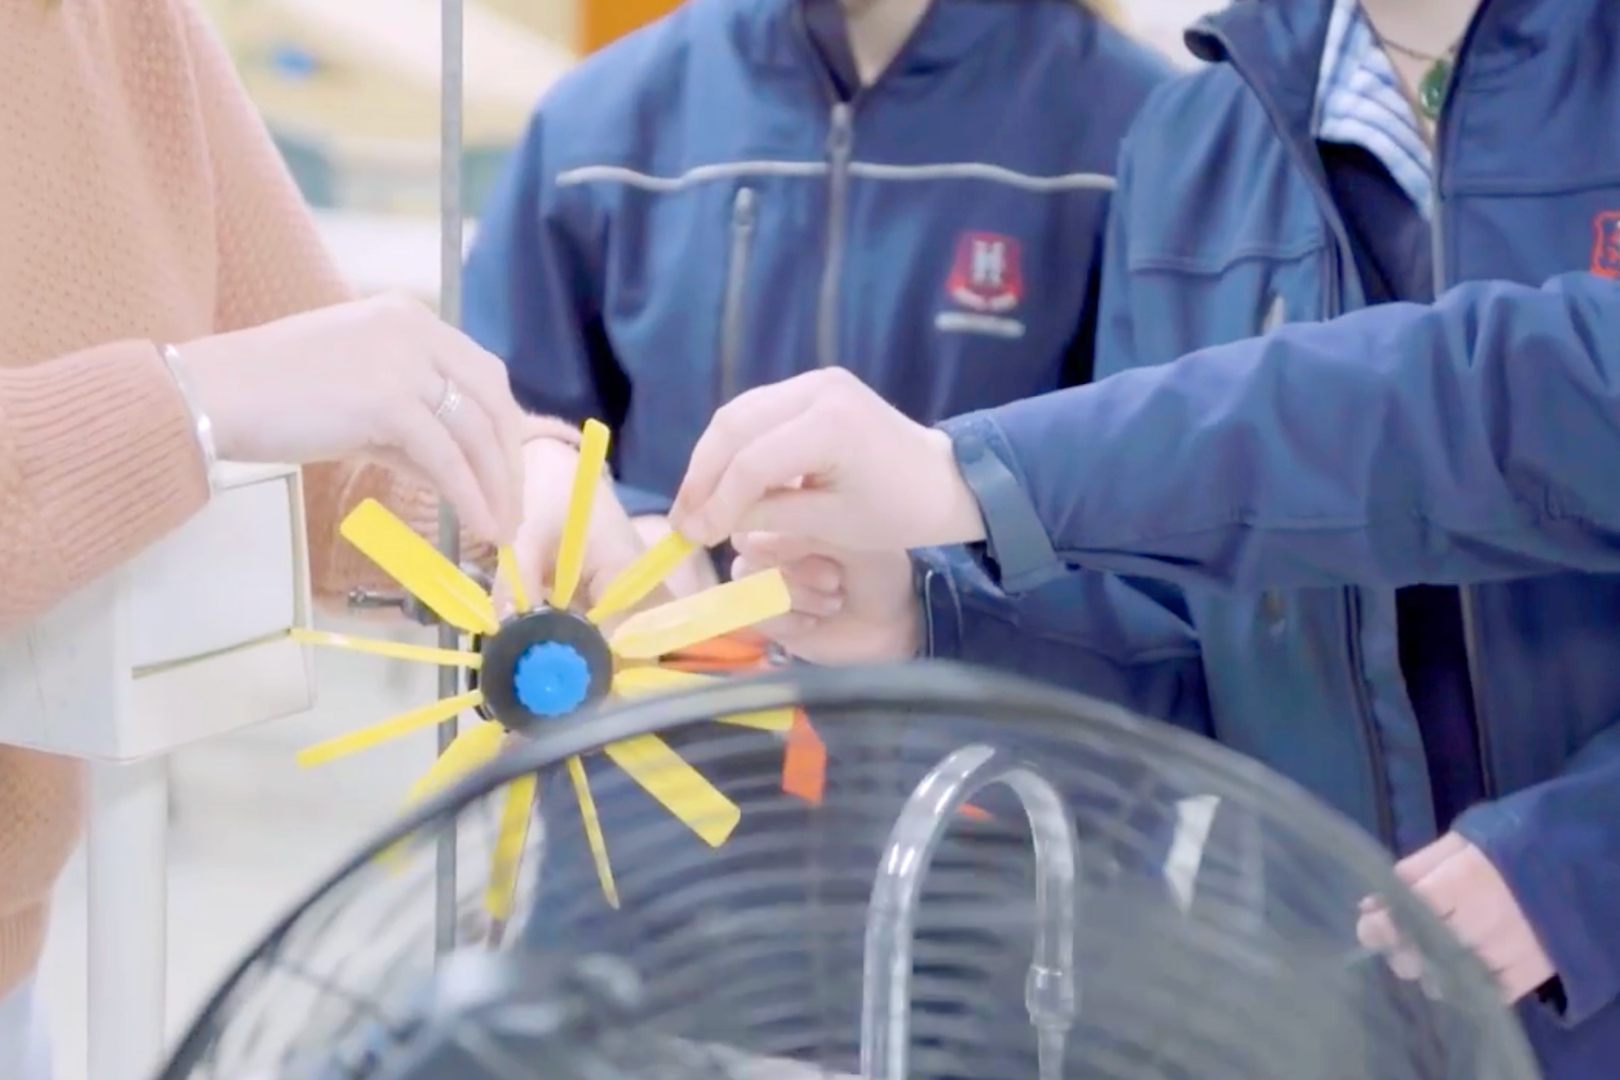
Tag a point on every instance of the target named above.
point(1431, 89)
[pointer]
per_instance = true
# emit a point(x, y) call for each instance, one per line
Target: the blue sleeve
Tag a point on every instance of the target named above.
point(1557, 845)
point(531, 295)
point(1467, 441)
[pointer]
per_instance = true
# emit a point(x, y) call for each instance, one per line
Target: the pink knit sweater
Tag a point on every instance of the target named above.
point(141, 202)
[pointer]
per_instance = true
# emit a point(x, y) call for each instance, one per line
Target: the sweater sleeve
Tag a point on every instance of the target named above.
point(98, 459)
point(273, 263)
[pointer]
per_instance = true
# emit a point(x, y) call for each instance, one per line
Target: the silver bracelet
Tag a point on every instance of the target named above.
point(202, 426)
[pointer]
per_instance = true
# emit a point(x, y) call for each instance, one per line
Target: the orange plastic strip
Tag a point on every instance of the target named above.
point(740, 651)
point(804, 761)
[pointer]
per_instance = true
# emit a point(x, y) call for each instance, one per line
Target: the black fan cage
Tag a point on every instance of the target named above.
point(998, 881)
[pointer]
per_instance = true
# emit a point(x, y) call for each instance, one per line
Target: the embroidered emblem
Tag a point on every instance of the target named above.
point(985, 287)
point(988, 275)
point(1606, 244)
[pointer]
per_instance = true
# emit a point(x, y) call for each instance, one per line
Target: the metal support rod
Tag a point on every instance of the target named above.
point(450, 116)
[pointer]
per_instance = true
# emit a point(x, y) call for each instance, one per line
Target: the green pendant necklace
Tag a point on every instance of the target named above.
point(1436, 81)
point(1432, 88)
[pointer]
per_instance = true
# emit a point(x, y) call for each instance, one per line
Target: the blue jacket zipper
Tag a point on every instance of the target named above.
point(840, 146)
point(736, 294)
point(1467, 594)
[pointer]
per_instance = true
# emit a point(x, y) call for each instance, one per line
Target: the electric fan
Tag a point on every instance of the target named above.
point(546, 662)
point(1094, 921)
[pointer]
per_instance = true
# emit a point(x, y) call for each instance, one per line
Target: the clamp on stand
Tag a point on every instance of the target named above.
point(406, 604)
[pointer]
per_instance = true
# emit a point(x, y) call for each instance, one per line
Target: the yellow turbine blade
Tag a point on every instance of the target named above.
point(473, 748)
point(420, 568)
point(593, 830)
point(593, 448)
point(506, 564)
point(777, 720)
point(516, 811)
point(708, 614)
point(642, 681)
point(683, 791)
point(398, 650)
point(432, 713)
point(642, 576)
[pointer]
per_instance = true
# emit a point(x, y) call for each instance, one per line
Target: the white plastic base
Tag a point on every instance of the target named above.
point(188, 641)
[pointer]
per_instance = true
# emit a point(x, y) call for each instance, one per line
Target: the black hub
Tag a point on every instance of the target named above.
point(542, 665)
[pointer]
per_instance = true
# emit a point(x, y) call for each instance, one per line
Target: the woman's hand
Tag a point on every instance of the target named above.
point(612, 542)
point(381, 378)
point(848, 607)
point(824, 458)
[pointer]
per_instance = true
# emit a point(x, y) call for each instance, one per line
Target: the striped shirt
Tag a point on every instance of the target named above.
point(1359, 101)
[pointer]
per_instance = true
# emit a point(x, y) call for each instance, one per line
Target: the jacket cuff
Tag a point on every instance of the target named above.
point(1017, 551)
point(1586, 975)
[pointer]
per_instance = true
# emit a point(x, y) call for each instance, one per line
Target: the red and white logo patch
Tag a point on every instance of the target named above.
point(987, 275)
point(1606, 244)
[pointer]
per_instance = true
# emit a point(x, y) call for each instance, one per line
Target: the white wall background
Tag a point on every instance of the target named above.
point(1161, 21)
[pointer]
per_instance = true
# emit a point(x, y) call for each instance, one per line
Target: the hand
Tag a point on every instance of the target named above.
point(692, 576)
point(612, 542)
point(381, 378)
point(848, 607)
point(824, 458)
point(1456, 879)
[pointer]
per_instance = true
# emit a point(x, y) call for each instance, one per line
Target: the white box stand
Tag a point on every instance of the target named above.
point(187, 641)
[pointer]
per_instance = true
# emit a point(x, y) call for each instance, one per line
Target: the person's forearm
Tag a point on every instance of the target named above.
point(1467, 441)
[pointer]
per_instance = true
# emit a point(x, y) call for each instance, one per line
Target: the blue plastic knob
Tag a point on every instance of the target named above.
point(551, 679)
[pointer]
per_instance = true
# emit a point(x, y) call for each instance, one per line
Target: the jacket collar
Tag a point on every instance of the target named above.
point(1276, 45)
point(787, 36)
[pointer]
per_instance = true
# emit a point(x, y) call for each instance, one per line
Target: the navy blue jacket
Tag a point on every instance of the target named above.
point(697, 210)
point(1271, 495)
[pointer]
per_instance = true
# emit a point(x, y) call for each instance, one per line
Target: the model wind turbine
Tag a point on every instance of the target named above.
point(548, 661)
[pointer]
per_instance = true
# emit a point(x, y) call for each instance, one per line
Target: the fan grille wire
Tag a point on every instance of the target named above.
point(754, 951)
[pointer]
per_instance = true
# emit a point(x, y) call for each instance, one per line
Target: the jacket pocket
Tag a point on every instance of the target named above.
point(733, 311)
point(1175, 311)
